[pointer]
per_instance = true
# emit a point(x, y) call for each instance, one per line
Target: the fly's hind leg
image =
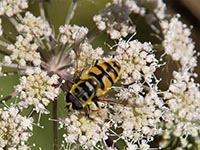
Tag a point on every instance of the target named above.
point(95, 100)
point(88, 111)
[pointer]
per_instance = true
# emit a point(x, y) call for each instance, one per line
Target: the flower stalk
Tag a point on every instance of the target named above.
point(55, 125)
point(71, 11)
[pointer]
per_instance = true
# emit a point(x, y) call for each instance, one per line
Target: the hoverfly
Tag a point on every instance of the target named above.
point(92, 84)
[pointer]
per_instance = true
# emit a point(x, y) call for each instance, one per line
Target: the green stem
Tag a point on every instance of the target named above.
point(13, 21)
point(45, 16)
point(13, 94)
point(55, 126)
point(4, 44)
point(42, 11)
point(3, 52)
point(11, 73)
point(93, 34)
point(19, 17)
point(15, 66)
point(71, 11)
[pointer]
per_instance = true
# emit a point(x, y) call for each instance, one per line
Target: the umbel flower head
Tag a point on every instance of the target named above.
point(134, 113)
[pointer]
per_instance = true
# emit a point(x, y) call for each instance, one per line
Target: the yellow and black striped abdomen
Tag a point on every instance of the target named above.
point(105, 73)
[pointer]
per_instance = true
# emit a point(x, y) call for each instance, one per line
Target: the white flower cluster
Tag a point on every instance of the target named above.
point(37, 89)
point(34, 25)
point(137, 60)
point(71, 34)
point(129, 6)
point(88, 133)
point(139, 120)
point(12, 7)
point(24, 50)
point(177, 42)
point(15, 129)
point(157, 12)
point(183, 101)
point(114, 19)
point(88, 56)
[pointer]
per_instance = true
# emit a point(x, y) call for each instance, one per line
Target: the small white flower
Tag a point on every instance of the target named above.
point(132, 56)
point(184, 105)
point(144, 146)
point(115, 20)
point(7, 60)
point(72, 34)
point(12, 148)
point(177, 42)
point(159, 8)
point(24, 147)
point(5, 115)
point(13, 111)
point(12, 7)
point(35, 26)
point(88, 55)
point(26, 123)
point(131, 146)
point(37, 89)
point(11, 129)
point(83, 139)
point(24, 51)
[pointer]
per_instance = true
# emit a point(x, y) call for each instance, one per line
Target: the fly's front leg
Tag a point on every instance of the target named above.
point(69, 106)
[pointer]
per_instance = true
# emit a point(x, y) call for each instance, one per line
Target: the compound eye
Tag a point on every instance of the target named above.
point(75, 103)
